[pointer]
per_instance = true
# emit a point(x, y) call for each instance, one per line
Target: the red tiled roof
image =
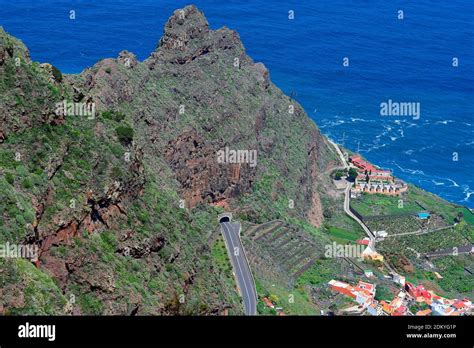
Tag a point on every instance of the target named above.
point(268, 302)
point(459, 304)
point(423, 312)
point(365, 286)
point(358, 162)
point(362, 241)
point(401, 309)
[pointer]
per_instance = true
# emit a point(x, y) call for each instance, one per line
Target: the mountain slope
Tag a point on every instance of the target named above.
point(122, 204)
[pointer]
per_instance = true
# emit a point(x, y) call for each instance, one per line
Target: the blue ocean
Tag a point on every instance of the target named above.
point(389, 58)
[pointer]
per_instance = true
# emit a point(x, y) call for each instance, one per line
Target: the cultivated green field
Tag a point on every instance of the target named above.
point(377, 204)
point(448, 211)
point(413, 201)
point(343, 236)
point(294, 301)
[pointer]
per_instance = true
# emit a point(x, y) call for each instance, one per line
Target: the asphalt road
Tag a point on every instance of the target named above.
point(347, 201)
point(243, 275)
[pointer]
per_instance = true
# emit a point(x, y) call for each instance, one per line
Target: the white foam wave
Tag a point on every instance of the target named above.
point(455, 184)
point(468, 193)
point(356, 119)
point(330, 123)
point(409, 171)
point(444, 122)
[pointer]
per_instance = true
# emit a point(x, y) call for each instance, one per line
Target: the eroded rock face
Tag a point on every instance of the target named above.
point(5, 54)
point(24, 100)
point(203, 178)
point(187, 37)
point(263, 75)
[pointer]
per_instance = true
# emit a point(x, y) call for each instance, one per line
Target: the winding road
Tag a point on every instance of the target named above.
point(348, 212)
point(242, 272)
point(347, 197)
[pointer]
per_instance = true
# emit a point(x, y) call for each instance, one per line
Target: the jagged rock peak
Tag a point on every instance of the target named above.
point(184, 25)
point(127, 58)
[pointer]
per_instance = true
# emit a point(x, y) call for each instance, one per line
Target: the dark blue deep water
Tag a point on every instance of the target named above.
point(407, 60)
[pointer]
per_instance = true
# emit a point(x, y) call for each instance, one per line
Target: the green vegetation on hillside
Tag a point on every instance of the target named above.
point(456, 277)
point(293, 301)
point(378, 204)
point(343, 236)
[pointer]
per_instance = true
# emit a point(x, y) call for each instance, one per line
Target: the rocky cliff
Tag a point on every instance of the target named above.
point(122, 200)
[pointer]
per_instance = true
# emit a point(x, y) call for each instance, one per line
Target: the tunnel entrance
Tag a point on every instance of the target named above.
point(224, 219)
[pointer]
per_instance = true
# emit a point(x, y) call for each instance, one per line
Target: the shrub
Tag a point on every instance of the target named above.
point(90, 304)
point(58, 76)
point(383, 293)
point(125, 134)
point(338, 175)
point(27, 184)
point(353, 173)
point(10, 179)
point(113, 115)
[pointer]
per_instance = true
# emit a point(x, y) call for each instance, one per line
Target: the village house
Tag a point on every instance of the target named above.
point(387, 307)
point(444, 310)
point(394, 189)
point(363, 293)
point(371, 179)
point(402, 310)
point(460, 306)
point(365, 241)
point(368, 287)
point(371, 254)
point(367, 169)
point(268, 303)
point(419, 293)
point(342, 288)
point(424, 312)
point(372, 308)
point(438, 304)
point(397, 278)
point(368, 273)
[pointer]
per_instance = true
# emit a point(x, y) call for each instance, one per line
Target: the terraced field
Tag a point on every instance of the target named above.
point(448, 238)
point(290, 249)
point(405, 224)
